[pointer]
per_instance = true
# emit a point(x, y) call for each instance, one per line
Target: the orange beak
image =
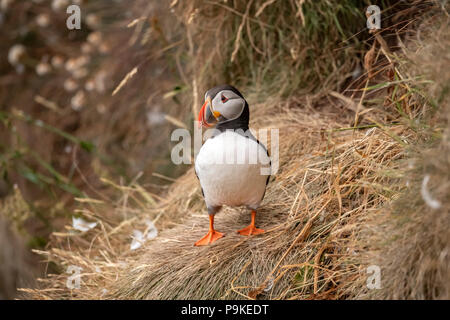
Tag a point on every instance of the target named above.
point(201, 116)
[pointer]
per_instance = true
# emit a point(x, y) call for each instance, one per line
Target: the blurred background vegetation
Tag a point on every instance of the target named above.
point(100, 102)
point(60, 127)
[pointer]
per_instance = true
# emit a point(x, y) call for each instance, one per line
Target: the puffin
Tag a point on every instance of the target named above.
point(233, 167)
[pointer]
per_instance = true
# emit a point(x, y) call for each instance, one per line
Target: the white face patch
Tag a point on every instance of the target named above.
point(228, 104)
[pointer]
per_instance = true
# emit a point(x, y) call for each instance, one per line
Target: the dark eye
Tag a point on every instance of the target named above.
point(224, 99)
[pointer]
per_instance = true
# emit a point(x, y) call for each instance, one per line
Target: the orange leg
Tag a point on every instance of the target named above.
point(211, 236)
point(251, 229)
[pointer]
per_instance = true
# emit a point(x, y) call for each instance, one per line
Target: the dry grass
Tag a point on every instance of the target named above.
point(310, 212)
point(322, 211)
point(410, 238)
point(313, 210)
point(283, 48)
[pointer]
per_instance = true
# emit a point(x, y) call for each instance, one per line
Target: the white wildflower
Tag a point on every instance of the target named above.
point(86, 47)
point(43, 20)
point(432, 203)
point(70, 65)
point(82, 225)
point(15, 53)
point(70, 85)
point(89, 85)
point(59, 5)
point(92, 20)
point(75, 63)
point(152, 232)
point(57, 62)
point(78, 101)
point(138, 240)
point(43, 68)
point(80, 73)
point(139, 237)
point(95, 38)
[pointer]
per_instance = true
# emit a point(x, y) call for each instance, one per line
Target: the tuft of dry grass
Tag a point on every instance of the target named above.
point(283, 48)
point(410, 238)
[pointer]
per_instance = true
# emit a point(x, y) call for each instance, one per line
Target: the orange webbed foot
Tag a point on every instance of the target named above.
point(250, 230)
point(210, 237)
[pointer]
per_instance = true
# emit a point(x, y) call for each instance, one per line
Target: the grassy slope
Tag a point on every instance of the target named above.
point(338, 193)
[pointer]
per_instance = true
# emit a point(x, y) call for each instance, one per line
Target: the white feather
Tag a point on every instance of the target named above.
point(229, 169)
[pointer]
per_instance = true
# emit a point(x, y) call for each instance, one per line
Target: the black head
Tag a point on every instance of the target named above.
point(226, 107)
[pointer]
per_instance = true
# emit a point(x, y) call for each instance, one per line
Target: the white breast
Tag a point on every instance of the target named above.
point(232, 170)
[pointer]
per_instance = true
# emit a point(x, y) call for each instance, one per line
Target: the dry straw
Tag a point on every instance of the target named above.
point(320, 211)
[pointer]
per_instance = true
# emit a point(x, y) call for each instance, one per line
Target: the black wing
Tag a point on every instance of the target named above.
point(250, 136)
